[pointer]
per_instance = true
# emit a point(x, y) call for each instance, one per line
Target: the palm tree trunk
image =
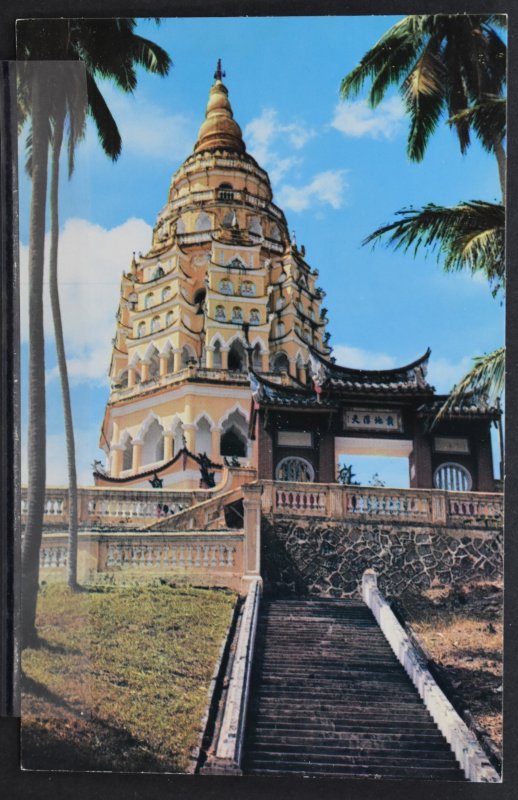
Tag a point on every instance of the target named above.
point(57, 141)
point(36, 380)
point(501, 161)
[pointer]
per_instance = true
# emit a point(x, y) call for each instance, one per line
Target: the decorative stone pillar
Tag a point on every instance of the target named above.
point(252, 528)
point(137, 455)
point(224, 358)
point(216, 441)
point(131, 377)
point(265, 362)
point(301, 374)
point(209, 351)
point(168, 445)
point(163, 364)
point(177, 359)
point(116, 452)
point(144, 370)
point(190, 436)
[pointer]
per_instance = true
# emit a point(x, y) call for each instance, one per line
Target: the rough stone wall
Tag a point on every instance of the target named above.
point(317, 556)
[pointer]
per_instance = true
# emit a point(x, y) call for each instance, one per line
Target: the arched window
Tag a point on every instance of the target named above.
point(294, 468)
point(280, 303)
point(220, 313)
point(187, 354)
point(123, 378)
point(216, 359)
point(180, 226)
point(254, 226)
point(153, 446)
point(199, 300)
point(452, 477)
point(275, 233)
point(203, 437)
point(237, 314)
point(281, 328)
point(280, 362)
point(159, 272)
point(169, 318)
point(225, 192)
point(257, 361)
point(141, 329)
point(203, 222)
point(177, 437)
point(229, 219)
point(166, 294)
point(127, 454)
point(247, 288)
point(237, 357)
point(170, 361)
point(154, 365)
point(226, 286)
point(148, 302)
point(234, 438)
point(155, 324)
point(255, 317)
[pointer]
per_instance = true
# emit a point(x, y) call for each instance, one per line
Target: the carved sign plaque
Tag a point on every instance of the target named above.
point(368, 419)
point(449, 444)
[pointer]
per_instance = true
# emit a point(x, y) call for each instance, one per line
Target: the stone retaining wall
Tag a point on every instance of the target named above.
point(317, 556)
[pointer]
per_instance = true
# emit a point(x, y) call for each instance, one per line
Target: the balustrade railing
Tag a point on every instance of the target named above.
point(423, 505)
point(110, 506)
point(197, 552)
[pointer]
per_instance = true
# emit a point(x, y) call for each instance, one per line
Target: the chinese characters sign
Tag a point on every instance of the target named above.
point(368, 419)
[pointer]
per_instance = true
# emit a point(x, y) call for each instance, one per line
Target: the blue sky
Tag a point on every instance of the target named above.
point(338, 171)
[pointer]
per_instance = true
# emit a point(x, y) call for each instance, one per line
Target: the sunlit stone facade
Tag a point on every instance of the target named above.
point(222, 286)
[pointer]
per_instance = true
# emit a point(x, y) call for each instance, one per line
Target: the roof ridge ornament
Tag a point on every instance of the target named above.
point(219, 74)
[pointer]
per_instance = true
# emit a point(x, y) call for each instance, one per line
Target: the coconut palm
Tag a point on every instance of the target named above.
point(443, 64)
point(109, 49)
point(470, 236)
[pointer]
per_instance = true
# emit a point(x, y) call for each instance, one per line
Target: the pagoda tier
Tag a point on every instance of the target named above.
point(222, 288)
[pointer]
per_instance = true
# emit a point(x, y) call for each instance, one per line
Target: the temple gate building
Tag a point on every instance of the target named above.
point(224, 294)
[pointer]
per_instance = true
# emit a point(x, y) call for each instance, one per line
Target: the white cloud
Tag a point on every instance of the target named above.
point(357, 119)
point(358, 358)
point(147, 130)
point(91, 262)
point(443, 374)
point(265, 133)
point(326, 187)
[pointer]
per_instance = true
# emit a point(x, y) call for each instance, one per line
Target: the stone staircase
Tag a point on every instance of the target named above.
point(329, 698)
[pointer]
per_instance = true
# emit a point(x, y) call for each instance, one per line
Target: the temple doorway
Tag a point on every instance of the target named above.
point(375, 462)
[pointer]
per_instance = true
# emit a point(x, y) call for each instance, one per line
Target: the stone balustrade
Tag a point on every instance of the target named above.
point(214, 557)
point(104, 506)
point(420, 505)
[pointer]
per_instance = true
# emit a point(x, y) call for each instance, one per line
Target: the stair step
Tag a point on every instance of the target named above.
point(329, 697)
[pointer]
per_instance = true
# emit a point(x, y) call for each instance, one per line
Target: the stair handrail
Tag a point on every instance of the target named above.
point(230, 742)
point(463, 742)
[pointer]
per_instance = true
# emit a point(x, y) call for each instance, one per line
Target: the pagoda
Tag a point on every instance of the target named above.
point(223, 289)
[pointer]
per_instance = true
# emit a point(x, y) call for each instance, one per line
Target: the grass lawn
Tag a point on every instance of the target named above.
point(462, 632)
point(121, 678)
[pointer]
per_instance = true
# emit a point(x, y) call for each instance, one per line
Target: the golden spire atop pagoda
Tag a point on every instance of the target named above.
point(219, 129)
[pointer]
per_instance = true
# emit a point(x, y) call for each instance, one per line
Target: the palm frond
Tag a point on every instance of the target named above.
point(488, 119)
point(470, 235)
point(107, 129)
point(423, 97)
point(485, 381)
point(397, 48)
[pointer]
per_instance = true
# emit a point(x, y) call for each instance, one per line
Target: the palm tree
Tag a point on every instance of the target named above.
point(470, 235)
point(109, 49)
point(442, 63)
